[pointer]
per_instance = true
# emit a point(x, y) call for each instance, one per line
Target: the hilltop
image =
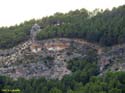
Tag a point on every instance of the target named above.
point(76, 52)
point(103, 27)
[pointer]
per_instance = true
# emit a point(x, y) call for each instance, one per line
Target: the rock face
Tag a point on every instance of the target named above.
point(48, 63)
point(10, 56)
point(51, 59)
point(113, 59)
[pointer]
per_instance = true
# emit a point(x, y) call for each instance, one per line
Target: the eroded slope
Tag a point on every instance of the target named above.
point(49, 58)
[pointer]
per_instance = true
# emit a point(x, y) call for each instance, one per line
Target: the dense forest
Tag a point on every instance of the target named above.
point(11, 36)
point(106, 27)
point(84, 79)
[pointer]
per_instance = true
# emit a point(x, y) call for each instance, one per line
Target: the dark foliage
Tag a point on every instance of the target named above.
point(82, 80)
point(104, 27)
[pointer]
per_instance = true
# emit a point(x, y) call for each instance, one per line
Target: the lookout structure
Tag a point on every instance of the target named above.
point(34, 30)
point(35, 47)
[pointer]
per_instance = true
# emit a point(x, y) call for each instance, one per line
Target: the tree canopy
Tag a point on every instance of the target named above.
point(106, 27)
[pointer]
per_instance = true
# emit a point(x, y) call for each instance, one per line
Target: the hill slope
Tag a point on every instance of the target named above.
point(76, 52)
point(103, 27)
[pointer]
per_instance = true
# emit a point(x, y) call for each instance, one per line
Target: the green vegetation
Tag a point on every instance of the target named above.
point(106, 28)
point(103, 27)
point(84, 79)
point(11, 36)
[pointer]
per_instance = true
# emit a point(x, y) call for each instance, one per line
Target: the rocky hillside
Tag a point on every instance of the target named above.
point(51, 60)
point(75, 52)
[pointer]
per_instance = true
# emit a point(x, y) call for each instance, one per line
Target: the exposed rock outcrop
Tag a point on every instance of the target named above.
point(50, 60)
point(48, 63)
